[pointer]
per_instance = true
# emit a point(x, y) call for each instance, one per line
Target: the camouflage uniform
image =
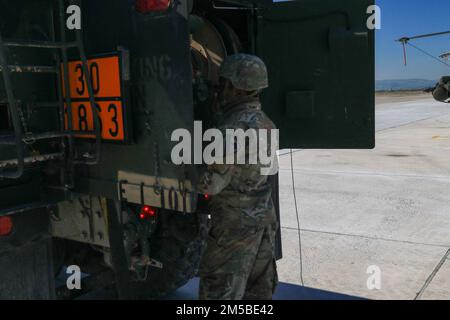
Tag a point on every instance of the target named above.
point(239, 261)
point(442, 90)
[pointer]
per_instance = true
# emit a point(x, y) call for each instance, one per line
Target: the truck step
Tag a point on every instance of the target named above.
point(31, 69)
point(32, 159)
point(38, 44)
point(11, 140)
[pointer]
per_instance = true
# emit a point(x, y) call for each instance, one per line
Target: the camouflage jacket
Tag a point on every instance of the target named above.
point(240, 187)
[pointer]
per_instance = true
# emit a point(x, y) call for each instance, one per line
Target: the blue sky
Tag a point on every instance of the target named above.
point(408, 18)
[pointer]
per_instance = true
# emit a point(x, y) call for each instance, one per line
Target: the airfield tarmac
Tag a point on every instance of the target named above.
point(387, 207)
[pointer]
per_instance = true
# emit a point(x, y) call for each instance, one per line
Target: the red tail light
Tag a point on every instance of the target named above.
point(147, 6)
point(6, 226)
point(147, 212)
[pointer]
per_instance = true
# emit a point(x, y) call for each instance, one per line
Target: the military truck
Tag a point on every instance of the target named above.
point(87, 112)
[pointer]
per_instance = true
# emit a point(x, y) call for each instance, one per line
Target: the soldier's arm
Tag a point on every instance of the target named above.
point(216, 178)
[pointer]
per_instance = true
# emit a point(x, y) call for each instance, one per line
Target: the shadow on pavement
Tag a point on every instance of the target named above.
point(285, 291)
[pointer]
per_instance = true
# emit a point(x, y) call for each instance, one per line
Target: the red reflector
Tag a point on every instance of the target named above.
point(147, 212)
point(206, 196)
point(6, 226)
point(146, 6)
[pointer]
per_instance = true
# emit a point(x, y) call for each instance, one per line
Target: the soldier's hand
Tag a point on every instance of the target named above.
point(206, 179)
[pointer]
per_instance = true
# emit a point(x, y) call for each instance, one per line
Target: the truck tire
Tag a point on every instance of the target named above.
point(178, 243)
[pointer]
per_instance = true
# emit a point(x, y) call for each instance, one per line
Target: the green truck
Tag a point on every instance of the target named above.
point(90, 92)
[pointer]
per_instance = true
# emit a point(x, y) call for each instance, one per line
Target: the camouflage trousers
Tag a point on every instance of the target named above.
point(240, 265)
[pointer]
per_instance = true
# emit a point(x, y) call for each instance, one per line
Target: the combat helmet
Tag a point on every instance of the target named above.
point(246, 72)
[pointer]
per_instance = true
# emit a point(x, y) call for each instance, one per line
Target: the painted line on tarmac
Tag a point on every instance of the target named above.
point(368, 237)
point(369, 173)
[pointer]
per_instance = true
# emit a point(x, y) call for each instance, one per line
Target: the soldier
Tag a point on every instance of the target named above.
point(442, 90)
point(239, 262)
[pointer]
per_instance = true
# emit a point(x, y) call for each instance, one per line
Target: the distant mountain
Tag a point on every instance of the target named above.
point(405, 84)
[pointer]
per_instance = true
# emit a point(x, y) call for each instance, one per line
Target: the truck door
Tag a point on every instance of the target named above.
point(320, 57)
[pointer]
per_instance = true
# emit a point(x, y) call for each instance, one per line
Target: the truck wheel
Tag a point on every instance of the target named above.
point(178, 243)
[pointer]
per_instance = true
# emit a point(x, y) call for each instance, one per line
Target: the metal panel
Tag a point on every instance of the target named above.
point(159, 90)
point(320, 57)
point(162, 193)
point(83, 220)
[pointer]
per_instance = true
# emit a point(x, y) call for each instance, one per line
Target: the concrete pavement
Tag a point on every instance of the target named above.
point(386, 207)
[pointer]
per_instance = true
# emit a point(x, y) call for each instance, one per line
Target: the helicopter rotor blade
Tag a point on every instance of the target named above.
point(429, 35)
